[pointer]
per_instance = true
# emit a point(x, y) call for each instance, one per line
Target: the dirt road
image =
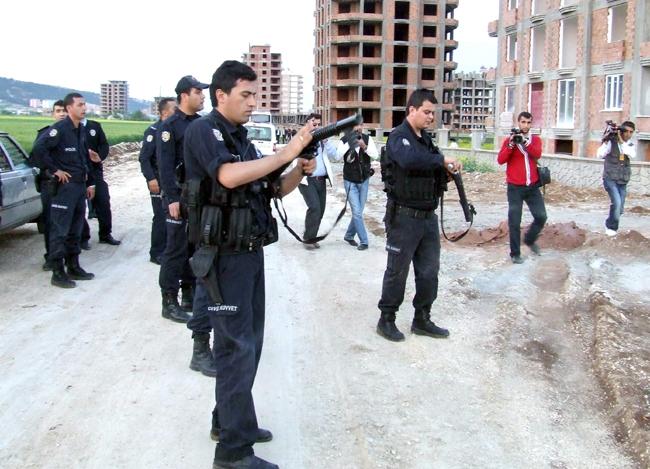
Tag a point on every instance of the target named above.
point(547, 365)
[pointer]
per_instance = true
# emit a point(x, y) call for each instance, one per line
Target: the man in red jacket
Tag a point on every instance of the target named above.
point(520, 153)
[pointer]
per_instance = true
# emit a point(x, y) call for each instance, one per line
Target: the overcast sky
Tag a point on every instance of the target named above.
point(151, 44)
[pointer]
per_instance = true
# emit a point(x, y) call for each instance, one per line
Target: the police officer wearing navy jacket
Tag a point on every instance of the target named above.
point(174, 266)
point(64, 153)
point(45, 180)
point(414, 176)
point(149, 168)
point(235, 186)
point(98, 150)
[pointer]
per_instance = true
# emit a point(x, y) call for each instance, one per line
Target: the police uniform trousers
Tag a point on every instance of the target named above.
point(174, 263)
point(67, 212)
point(102, 205)
point(46, 200)
point(417, 240)
point(314, 193)
point(517, 195)
point(238, 325)
point(158, 227)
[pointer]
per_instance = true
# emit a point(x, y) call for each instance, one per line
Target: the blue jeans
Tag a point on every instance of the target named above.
point(617, 193)
point(357, 196)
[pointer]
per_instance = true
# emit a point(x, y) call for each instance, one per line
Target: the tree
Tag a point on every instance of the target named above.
point(138, 116)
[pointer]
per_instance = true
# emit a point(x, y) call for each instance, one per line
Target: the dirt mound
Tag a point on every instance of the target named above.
point(560, 236)
point(629, 242)
point(638, 210)
point(622, 365)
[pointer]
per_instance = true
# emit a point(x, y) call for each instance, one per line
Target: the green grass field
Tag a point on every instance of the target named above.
point(24, 129)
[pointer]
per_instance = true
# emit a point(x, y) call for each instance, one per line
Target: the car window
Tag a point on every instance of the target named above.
point(4, 162)
point(259, 133)
point(14, 152)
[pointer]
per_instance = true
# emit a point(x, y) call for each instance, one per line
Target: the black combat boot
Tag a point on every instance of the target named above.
point(247, 462)
point(387, 329)
point(187, 297)
point(422, 325)
point(59, 276)
point(75, 271)
point(202, 358)
point(171, 310)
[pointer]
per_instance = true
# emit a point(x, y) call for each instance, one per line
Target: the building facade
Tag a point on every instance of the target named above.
point(268, 67)
point(473, 101)
point(292, 95)
point(114, 97)
point(574, 64)
point(371, 54)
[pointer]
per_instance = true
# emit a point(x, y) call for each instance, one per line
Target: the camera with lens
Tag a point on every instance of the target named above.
point(611, 131)
point(517, 136)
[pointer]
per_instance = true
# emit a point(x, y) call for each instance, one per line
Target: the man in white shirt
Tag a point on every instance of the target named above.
point(313, 187)
point(617, 150)
point(357, 150)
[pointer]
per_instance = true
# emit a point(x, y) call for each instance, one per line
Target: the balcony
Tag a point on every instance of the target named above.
point(450, 65)
point(451, 4)
point(451, 44)
point(448, 85)
point(451, 23)
point(493, 28)
point(356, 16)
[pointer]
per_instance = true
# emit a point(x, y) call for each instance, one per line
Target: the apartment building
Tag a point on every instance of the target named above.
point(268, 66)
point(473, 101)
point(292, 93)
point(370, 54)
point(574, 65)
point(114, 97)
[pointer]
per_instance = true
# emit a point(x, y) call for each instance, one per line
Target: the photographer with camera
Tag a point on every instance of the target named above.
point(617, 150)
point(357, 150)
point(520, 153)
point(415, 176)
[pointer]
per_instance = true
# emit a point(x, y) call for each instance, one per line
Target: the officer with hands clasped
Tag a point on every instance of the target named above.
point(228, 199)
point(64, 154)
point(414, 172)
point(149, 168)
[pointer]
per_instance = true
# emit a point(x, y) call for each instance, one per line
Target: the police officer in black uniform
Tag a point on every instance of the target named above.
point(415, 176)
point(64, 153)
point(149, 168)
point(45, 180)
point(98, 150)
point(234, 188)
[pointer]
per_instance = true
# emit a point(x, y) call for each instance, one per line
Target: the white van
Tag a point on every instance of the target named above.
point(262, 136)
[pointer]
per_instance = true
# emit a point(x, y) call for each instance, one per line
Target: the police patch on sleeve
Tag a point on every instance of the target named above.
point(92, 132)
point(405, 142)
point(217, 134)
point(53, 133)
point(165, 136)
point(149, 138)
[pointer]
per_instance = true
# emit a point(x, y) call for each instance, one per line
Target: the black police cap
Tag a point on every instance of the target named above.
point(188, 82)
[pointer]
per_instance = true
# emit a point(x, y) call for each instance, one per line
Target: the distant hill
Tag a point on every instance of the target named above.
point(20, 92)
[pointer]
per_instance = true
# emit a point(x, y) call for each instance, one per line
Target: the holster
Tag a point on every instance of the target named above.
point(53, 186)
point(202, 264)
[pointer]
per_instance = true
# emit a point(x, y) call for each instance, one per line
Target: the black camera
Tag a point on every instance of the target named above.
point(517, 137)
point(611, 132)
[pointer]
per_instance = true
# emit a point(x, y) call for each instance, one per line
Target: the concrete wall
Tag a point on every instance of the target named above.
point(570, 170)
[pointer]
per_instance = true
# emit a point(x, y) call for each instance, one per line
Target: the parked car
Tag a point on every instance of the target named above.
point(262, 136)
point(20, 202)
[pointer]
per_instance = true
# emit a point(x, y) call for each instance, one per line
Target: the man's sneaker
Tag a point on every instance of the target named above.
point(535, 248)
point(362, 247)
point(517, 259)
point(609, 232)
point(248, 462)
point(351, 242)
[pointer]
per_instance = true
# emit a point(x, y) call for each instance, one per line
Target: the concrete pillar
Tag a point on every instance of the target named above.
point(477, 139)
point(443, 138)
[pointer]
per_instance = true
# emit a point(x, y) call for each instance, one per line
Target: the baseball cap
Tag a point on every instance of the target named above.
point(188, 82)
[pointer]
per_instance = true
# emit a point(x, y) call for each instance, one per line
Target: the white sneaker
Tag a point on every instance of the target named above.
point(609, 232)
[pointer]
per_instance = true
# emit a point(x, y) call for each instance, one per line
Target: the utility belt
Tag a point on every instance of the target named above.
point(414, 212)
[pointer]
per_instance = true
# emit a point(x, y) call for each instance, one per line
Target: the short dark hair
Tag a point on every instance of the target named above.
point(313, 115)
point(525, 115)
point(226, 76)
point(69, 99)
point(628, 124)
point(58, 102)
point(162, 104)
point(419, 96)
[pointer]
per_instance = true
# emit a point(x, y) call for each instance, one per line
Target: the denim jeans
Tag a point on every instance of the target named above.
point(357, 196)
point(617, 193)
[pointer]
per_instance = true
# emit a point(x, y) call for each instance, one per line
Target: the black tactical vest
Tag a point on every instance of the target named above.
point(617, 165)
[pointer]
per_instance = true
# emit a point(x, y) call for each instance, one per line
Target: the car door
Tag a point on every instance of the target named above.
point(21, 202)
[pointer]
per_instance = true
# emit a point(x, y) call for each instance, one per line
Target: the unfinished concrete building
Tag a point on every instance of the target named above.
point(370, 54)
point(268, 66)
